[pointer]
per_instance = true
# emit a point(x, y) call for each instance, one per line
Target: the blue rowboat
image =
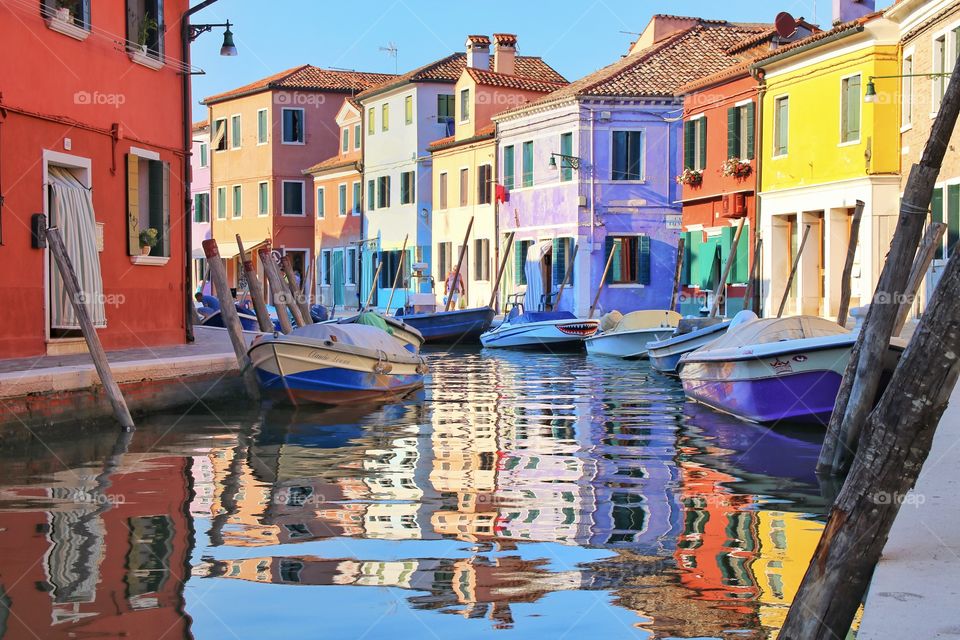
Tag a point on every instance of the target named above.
point(461, 325)
point(248, 321)
point(335, 364)
point(665, 354)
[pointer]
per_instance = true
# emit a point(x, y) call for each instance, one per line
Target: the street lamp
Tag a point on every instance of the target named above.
point(572, 161)
point(228, 48)
point(870, 93)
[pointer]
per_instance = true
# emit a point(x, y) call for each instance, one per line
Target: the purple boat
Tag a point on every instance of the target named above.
point(774, 369)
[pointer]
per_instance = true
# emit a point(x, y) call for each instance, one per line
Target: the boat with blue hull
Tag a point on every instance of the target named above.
point(248, 321)
point(538, 329)
point(691, 334)
point(444, 327)
point(335, 364)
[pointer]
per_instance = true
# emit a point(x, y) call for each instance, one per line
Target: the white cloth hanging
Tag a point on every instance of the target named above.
point(533, 268)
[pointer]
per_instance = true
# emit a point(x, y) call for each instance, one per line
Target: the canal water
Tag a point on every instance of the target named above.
point(518, 495)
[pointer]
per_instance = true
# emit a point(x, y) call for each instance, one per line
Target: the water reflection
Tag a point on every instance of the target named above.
point(541, 494)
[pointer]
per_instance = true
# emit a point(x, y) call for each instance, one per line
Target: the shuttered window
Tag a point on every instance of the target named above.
point(481, 258)
point(371, 195)
point(527, 164)
point(627, 155)
point(631, 259)
point(443, 190)
point(149, 209)
point(953, 217)
point(936, 215)
point(566, 149)
point(519, 259)
point(444, 260)
point(464, 186)
point(741, 122)
point(342, 200)
point(509, 167)
point(357, 197)
point(562, 253)
point(484, 178)
point(850, 101)
point(781, 125)
point(407, 187)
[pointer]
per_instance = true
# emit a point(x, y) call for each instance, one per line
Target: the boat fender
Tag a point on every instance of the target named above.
point(382, 367)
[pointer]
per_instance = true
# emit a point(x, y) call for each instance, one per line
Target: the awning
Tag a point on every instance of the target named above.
point(228, 250)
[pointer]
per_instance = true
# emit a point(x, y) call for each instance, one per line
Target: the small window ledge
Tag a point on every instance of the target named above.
point(141, 57)
point(67, 28)
point(149, 261)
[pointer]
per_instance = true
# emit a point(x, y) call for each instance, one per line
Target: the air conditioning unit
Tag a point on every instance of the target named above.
point(739, 204)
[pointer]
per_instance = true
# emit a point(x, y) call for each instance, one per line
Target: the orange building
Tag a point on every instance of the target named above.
point(92, 137)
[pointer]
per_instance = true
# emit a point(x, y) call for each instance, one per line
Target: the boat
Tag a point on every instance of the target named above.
point(248, 321)
point(539, 329)
point(396, 327)
point(774, 369)
point(458, 325)
point(626, 336)
point(690, 335)
point(334, 364)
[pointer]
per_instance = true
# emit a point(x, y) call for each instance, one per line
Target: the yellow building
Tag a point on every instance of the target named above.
point(823, 148)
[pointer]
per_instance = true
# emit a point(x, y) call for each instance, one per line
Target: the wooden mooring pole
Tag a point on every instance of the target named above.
point(256, 290)
point(500, 269)
point(677, 274)
point(77, 298)
point(751, 293)
point(456, 273)
point(845, 284)
point(373, 286)
point(276, 286)
point(299, 299)
point(603, 280)
point(228, 311)
point(721, 290)
point(793, 270)
point(289, 287)
point(928, 248)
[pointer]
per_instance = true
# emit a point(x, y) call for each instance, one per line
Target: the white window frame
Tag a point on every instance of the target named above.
point(357, 202)
point(320, 206)
point(776, 111)
point(643, 155)
point(443, 195)
point(326, 256)
point(698, 138)
point(236, 125)
point(234, 189)
point(203, 154)
point(226, 133)
point(303, 126)
point(350, 258)
point(385, 116)
point(413, 116)
point(859, 137)
point(343, 208)
point(357, 135)
point(260, 185)
point(344, 137)
point(463, 98)
point(907, 88)
point(266, 130)
point(221, 197)
point(283, 199)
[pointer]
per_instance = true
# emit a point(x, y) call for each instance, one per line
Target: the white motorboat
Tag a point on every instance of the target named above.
point(626, 336)
point(690, 335)
point(539, 329)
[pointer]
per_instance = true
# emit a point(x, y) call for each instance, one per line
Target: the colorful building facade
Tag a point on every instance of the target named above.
point(200, 201)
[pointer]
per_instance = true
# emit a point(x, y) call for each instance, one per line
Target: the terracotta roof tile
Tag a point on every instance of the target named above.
point(200, 124)
point(307, 78)
point(852, 26)
point(448, 69)
point(483, 133)
point(331, 163)
point(508, 81)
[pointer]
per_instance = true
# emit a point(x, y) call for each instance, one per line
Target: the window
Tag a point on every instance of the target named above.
point(695, 143)
point(408, 110)
point(203, 154)
point(145, 25)
point(519, 260)
point(148, 203)
point(566, 148)
point(481, 258)
point(627, 155)
point(484, 178)
point(235, 132)
point(320, 203)
point(391, 265)
point(464, 186)
point(262, 126)
point(220, 134)
point(631, 259)
point(345, 139)
point(293, 126)
point(325, 267)
point(385, 117)
point(939, 66)
point(781, 124)
point(741, 125)
point(509, 167)
point(356, 136)
point(221, 203)
point(408, 181)
point(526, 168)
point(237, 201)
point(445, 108)
point(906, 92)
point(444, 260)
point(562, 253)
point(357, 196)
point(465, 105)
point(850, 109)
point(79, 11)
point(371, 119)
point(945, 207)
point(371, 195)
point(443, 190)
point(342, 200)
point(263, 199)
point(383, 191)
point(201, 207)
point(350, 267)
point(293, 197)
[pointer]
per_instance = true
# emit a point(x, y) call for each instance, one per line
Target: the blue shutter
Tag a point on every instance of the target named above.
point(559, 260)
point(643, 259)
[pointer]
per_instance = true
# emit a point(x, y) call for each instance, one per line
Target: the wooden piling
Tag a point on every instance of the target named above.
point(677, 273)
point(928, 248)
point(566, 275)
point(793, 270)
point(228, 311)
point(845, 283)
point(396, 276)
point(603, 280)
point(720, 291)
point(750, 293)
point(500, 269)
point(276, 286)
point(256, 290)
point(299, 300)
point(456, 272)
point(72, 284)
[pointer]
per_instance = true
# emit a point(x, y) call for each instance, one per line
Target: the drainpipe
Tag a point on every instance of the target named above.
point(188, 308)
point(759, 75)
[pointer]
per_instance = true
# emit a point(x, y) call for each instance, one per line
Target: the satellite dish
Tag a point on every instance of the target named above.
point(785, 24)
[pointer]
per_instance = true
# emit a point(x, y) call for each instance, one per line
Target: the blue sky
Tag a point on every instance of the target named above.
point(575, 37)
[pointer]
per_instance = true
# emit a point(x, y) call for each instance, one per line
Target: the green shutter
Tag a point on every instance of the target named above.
point(751, 115)
point(518, 259)
point(703, 142)
point(695, 244)
point(741, 264)
point(707, 258)
point(643, 259)
point(685, 268)
point(559, 261)
point(953, 216)
point(733, 132)
point(688, 140)
point(936, 215)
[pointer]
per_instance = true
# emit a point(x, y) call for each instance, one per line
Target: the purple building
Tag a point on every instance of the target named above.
point(594, 165)
point(200, 197)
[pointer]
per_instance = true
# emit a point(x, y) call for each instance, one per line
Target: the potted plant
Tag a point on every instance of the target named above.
point(691, 177)
point(148, 240)
point(147, 26)
point(736, 168)
point(64, 11)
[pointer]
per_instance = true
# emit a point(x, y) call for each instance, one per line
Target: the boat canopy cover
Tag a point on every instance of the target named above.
point(542, 316)
point(648, 319)
point(371, 319)
point(352, 334)
point(771, 330)
point(609, 321)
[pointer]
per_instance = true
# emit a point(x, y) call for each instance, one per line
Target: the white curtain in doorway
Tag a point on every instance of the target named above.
point(71, 211)
point(533, 268)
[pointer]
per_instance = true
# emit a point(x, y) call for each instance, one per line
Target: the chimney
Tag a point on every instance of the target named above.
point(478, 52)
point(505, 53)
point(847, 10)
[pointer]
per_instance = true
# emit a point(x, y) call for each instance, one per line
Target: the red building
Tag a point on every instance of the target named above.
point(92, 136)
point(721, 166)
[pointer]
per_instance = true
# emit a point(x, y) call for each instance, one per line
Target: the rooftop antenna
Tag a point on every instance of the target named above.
point(392, 50)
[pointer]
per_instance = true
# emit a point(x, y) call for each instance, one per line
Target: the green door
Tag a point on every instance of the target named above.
point(337, 282)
